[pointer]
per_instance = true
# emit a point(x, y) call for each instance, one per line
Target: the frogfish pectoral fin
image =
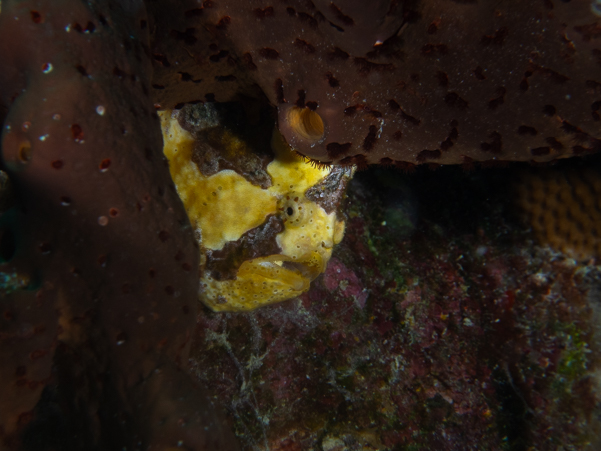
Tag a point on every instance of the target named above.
point(259, 282)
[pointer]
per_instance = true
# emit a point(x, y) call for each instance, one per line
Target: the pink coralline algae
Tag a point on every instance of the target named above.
point(339, 277)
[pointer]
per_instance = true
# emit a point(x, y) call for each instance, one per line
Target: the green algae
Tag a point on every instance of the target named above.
point(573, 363)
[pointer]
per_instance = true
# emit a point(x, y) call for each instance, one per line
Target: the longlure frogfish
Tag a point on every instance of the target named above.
point(265, 220)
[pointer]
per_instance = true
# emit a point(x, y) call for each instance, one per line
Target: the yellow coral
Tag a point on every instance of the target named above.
point(225, 205)
point(563, 209)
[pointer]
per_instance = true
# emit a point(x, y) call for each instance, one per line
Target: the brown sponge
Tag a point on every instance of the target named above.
point(102, 249)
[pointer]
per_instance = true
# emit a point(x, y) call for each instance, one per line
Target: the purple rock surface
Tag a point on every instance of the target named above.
point(437, 325)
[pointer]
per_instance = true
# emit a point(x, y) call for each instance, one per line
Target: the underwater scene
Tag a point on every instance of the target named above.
point(300, 225)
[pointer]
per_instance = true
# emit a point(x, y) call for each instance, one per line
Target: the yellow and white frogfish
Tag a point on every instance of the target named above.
point(266, 220)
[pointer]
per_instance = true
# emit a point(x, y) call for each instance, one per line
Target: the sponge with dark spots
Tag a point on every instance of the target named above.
point(390, 82)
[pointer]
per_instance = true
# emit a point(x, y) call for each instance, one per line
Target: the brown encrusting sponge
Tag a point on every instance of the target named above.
point(98, 287)
point(359, 82)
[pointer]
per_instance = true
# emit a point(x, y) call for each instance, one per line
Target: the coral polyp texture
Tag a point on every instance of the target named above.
point(359, 82)
point(563, 208)
point(265, 220)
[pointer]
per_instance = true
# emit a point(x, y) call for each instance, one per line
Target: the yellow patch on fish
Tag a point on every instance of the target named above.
point(225, 206)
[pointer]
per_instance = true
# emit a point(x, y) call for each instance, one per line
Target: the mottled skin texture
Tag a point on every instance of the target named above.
point(451, 82)
point(101, 238)
point(266, 221)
